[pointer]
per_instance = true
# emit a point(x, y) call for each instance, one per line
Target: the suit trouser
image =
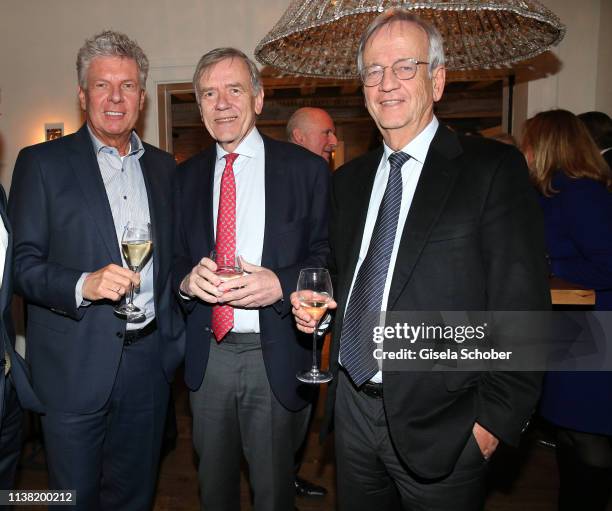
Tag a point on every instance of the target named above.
point(371, 476)
point(235, 412)
point(10, 433)
point(111, 456)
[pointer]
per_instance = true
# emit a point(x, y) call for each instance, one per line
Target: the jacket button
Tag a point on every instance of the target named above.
point(120, 335)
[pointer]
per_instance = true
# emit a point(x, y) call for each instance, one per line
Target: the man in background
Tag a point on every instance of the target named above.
point(599, 125)
point(313, 129)
point(15, 389)
point(103, 380)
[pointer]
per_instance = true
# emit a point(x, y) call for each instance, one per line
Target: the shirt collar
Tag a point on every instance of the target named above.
point(418, 147)
point(249, 146)
point(136, 147)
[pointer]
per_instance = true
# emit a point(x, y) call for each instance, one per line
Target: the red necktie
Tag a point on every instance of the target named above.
point(223, 315)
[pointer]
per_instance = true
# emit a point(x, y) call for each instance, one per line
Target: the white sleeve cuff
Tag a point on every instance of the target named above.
point(78, 291)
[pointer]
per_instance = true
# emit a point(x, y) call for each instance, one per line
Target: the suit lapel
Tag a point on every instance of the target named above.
point(85, 166)
point(275, 191)
point(205, 202)
point(435, 184)
point(198, 204)
point(360, 194)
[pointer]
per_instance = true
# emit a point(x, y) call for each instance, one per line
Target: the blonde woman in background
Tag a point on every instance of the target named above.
point(574, 184)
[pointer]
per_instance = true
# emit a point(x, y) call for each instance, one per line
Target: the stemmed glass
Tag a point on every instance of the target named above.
point(314, 290)
point(136, 246)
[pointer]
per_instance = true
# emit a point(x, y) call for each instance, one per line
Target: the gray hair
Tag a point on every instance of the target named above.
point(436, 43)
point(217, 55)
point(111, 44)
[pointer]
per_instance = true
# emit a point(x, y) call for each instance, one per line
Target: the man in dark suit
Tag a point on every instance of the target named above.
point(103, 380)
point(430, 222)
point(265, 201)
point(314, 129)
point(599, 125)
point(15, 389)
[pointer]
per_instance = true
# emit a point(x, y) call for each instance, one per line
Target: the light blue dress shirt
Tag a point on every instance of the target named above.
point(127, 196)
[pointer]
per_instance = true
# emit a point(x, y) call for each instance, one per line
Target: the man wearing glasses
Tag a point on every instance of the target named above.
point(431, 221)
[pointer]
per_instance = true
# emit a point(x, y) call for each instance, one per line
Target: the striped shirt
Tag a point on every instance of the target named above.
point(127, 196)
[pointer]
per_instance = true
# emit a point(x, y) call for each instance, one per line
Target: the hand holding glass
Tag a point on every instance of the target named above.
point(314, 290)
point(136, 246)
point(228, 266)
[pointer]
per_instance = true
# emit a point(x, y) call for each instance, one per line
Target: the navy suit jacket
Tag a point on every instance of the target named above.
point(473, 240)
point(295, 237)
point(19, 370)
point(63, 226)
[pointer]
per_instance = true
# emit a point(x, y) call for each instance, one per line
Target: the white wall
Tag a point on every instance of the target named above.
point(603, 96)
point(575, 86)
point(39, 40)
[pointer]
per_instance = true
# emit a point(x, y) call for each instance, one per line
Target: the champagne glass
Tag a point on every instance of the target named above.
point(314, 290)
point(228, 266)
point(136, 246)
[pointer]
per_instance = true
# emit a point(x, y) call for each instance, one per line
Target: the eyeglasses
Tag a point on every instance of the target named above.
point(403, 69)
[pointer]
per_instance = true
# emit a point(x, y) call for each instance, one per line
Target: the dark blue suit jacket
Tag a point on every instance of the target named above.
point(295, 237)
point(19, 370)
point(63, 226)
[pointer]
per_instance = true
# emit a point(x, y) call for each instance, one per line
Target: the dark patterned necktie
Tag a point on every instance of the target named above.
point(363, 309)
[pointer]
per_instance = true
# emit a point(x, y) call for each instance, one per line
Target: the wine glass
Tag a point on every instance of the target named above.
point(314, 290)
point(228, 266)
point(136, 246)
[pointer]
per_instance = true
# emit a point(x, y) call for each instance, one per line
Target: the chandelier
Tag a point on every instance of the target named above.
point(319, 38)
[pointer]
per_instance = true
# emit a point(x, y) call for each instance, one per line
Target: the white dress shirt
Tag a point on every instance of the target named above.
point(3, 249)
point(249, 172)
point(411, 172)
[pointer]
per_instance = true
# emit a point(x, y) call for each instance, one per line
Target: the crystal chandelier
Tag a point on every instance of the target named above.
point(319, 38)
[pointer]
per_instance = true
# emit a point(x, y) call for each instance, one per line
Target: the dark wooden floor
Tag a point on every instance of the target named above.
point(519, 480)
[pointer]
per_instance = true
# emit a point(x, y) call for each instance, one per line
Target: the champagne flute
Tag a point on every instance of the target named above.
point(314, 290)
point(136, 246)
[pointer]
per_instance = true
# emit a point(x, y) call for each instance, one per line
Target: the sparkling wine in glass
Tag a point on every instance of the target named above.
point(314, 290)
point(228, 266)
point(137, 247)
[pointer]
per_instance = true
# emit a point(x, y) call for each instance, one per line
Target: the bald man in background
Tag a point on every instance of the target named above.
point(313, 129)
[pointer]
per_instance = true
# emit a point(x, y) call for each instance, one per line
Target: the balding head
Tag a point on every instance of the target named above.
point(313, 129)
